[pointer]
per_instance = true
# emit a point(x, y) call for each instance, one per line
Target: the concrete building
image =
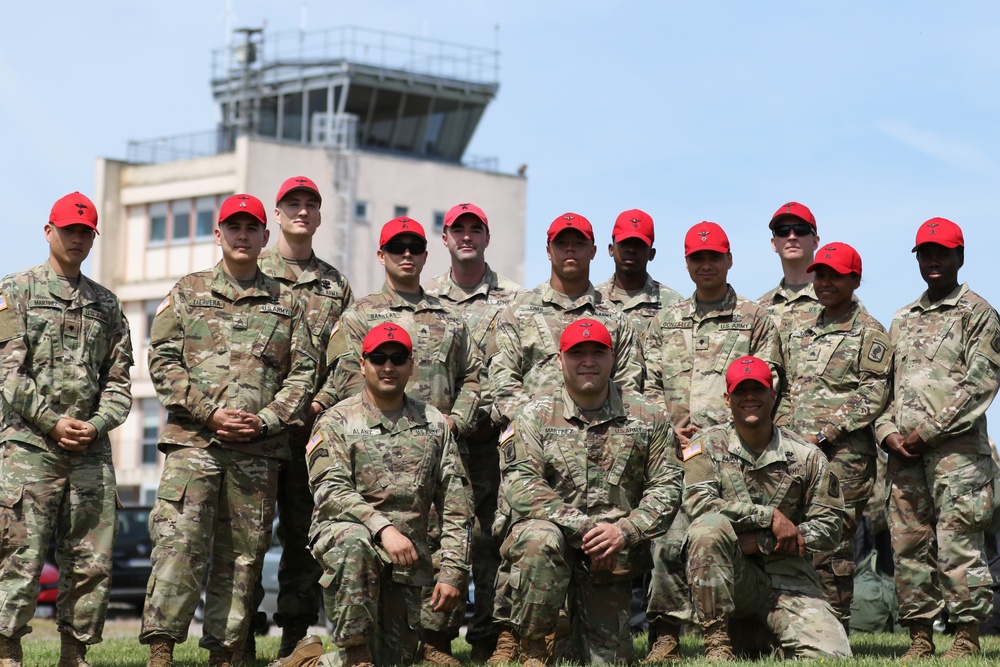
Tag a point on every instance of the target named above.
point(381, 122)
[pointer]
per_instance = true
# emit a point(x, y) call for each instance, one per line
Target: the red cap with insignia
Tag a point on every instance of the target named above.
point(242, 204)
point(297, 183)
point(792, 209)
point(747, 368)
point(941, 231)
point(74, 209)
point(570, 221)
point(840, 257)
point(705, 236)
point(584, 331)
point(461, 209)
point(633, 224)
point(387, 332)
point(400, 225)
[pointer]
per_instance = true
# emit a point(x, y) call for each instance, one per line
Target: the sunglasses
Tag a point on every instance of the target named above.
point(379, 358)
point(802, 229)
point(399, 247)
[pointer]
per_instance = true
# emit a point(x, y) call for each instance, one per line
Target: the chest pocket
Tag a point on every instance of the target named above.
point(620, 463)
point(43, 323)
point(203, 339)
point(563, 460)
point(320, 324)
point(97, 329)
point(273, 345)
point(944, 351)
point(735, 345)
point(544, 352)
point(677, 352)
point(370, 473)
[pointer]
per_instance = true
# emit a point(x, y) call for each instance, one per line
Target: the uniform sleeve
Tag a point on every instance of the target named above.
point(884, 424)
point(703, 491)
point(973, 393)
point(824, 515)
point(331, 478)
point(523, 484)
point(167, 368)
point(661, 496)
point(505, 373)
point(652, 346)
point(115, 399)
point(344, 355)
point(19, 388)
point(872, 395)
point(629, 371)
point(766, 343)
point(289, 405)
point(470, 360)
point(453, 499)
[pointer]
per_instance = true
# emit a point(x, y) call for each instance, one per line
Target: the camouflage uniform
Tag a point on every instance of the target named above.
point(368, 473)
point(791, 309)
point(687, 354)
point(214, 346)
point(947, 355)
point(563, 474)
point(327, 294)
point(728, 490)
point(481, 307)
point(838, 378)
point(66, 353)
point(643, 307)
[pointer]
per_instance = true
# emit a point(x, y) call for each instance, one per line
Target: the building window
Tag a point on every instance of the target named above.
point(401, 211)
point(439, 220)
point(158, 222)
point(360, 210)
point(149, 496)
point(204, 217)
point(129, 495)
point(152, 419)
point(180, 210)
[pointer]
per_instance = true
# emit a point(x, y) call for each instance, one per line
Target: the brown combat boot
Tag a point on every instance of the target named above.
point(921, 641)
point(356, 656)
point(10, 652)
point(534, 652)
point(437, 650)
point(73, 652)
point(306, 653)
point(221, 658)
point(161, 652)
point(966, 644)
point(291, 635)
point(717, 645)
point(508, 649)
point(667, 646)
point(480, 652)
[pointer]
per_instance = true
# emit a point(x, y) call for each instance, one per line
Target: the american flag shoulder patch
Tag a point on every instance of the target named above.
point(690, 451)
point(163, 305)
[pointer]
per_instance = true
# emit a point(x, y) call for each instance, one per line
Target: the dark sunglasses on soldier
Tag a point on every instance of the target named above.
point(802, 229)
point(399, 247)
point(379, 358)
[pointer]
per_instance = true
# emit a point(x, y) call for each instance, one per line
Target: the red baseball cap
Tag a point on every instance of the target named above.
point(387, 332)
point(941, 231)
point(74, 209)
point(705, 236)
point(747, 368)
point(633, 224)
point(840, 257)
point(570, 221)
point(461, 209)
point(584, 331)
point(400, 225)
point(242, 204)
point(795, 210)
point(297, 183)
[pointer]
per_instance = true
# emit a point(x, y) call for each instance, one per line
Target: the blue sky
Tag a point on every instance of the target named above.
point(876, 115)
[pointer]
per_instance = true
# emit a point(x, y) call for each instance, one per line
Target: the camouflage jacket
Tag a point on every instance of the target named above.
point(527, 340)
point(327, 295)
point(722, 475)
point(687, 355)
point(212, 347)
point(643, 307)
point(789, 309)
point(365, 469)
point(945, 364)
point(620, 468)
point(65, 353)
point(838, 379)
point(446, 362)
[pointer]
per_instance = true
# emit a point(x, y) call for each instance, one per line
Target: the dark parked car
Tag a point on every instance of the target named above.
point(131, 567)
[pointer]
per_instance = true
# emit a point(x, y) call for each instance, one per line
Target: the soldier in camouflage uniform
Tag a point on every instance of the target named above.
point(688, 348)
point(378, 463)
point(947, 356)
point(66, 354)
point(327, 294)
point(590, 474)
point(233, 364)
point(525, 365)
point(631, 288)
point(838, 378)
point(447, 360)
point(480, 294)
point(761, 502)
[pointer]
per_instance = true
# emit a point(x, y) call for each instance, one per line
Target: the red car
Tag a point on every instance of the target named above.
point(48, 590)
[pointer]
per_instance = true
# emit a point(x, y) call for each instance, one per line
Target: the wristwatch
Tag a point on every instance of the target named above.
point(821, 439)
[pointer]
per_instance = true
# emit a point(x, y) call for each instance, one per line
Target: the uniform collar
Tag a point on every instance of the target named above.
point(273, 264)
point(425, 302)
point(773, 453)
point(549, 295)
point(612, 409)
point(724, 310)
point(411, 416)
point(782, 293)
point(455, 292)
point(83, 295)
point(843, 323)
point(222, 285)
point(950, 301)
point(650, 292)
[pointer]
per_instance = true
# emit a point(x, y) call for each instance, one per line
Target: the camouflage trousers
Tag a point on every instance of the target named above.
point(726, 584)
point(70, 495)
point(669, 595)
point(363, 603)
point(939, 506)
point(542, 572)
point(856, 472)
point(214, 509)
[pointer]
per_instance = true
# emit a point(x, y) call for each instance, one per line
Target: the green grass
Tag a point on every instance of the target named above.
point(41, 649)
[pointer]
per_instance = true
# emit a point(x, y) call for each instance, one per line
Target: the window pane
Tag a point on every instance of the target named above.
point(439, 220)
point(358, 100)
point(401, 210)
point(181, 210)
point(412, 121)
point(158, 221)
point(205, 220)
point(361, 210)
point(291, 118)
point(383, 120)
point(267, 124)
point(317, 106)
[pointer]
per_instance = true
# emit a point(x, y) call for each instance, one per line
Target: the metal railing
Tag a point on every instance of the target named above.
point(181, 147)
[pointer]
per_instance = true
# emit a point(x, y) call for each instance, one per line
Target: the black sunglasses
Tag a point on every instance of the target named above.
point(802, 229)
point(379, 358)
point(399, 247)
